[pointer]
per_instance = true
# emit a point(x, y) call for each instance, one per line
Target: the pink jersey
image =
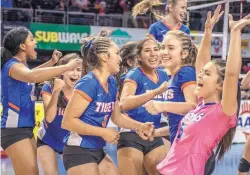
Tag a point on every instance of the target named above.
point(198, 134)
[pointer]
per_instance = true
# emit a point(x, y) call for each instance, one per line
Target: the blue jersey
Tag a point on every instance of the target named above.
point(159, 29)
point(17, 98)
point(184, 77)
point(144, 84)
point(51, 133)
point(99, 110)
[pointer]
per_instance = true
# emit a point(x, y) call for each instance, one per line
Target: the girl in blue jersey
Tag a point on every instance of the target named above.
point(175, 15)
point(55, 98)
point(142, 84)
point(178, 56)
point(18, 116)
point(93, 102)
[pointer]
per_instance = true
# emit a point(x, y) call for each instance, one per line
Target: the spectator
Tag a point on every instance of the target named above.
point(61, 6)
point(74, 7)
point(127, 7)
point(6, 3)
point(93, 6)
point(83, 4)
point(102, 7)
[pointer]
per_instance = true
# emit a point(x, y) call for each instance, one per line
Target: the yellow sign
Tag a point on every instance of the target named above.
point(39, 114)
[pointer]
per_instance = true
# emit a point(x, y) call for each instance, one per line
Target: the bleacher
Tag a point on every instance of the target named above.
point(44, 12)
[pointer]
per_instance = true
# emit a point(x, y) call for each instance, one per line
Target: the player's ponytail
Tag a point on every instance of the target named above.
point(127, 53)
point(154, 6)
point(5, 55)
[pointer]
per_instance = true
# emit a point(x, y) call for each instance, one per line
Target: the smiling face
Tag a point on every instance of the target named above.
point(178, 10)
point(149, 55)
point(171, 52)
point(209, 82)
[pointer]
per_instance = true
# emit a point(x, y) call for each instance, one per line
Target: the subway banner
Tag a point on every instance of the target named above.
point(61, 37)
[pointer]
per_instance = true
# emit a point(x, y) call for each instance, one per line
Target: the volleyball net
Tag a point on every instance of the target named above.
point(220, 40)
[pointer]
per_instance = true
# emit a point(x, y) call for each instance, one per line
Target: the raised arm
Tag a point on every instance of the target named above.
point(54, 59)
point(204, 52)
point(51, 108)
point(233, 66)
point(20, 72)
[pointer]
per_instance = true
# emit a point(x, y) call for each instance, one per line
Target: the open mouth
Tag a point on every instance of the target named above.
point(73, 80)
point(199, 84)
point(183, 16)
point(166, 58)
point(153, 60)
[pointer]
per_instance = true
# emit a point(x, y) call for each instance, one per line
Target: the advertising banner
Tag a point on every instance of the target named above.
point(121, 35)
point(61, 37)
point(217, 43)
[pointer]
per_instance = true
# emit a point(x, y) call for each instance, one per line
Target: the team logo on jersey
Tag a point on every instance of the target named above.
point(159, 96)
point(104, 107)
point(188, 119)
point(169, 94)
point(194, 117)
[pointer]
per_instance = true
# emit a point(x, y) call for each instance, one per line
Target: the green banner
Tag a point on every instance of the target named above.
point(60, 37)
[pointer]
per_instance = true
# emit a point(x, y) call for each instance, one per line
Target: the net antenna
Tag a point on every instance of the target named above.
point(224, 35)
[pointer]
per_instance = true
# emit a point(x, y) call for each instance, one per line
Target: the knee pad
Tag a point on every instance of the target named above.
point(244, 166)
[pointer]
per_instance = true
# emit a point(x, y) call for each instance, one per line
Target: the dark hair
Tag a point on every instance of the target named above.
point(127, 52)
point(97, 46)
point(226, 141)
point(154, 6)
point(141, 43)
point(187, 44)
point(11, 43)
point(87, 43)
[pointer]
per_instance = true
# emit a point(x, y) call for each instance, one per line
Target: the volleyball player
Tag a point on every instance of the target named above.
point(142, 84)
point(55, 97)
point(18, 116)
point(93, 102)
point(173, 19)
point(215, 116)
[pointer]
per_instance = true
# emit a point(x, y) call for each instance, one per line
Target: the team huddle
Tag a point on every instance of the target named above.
point(136, 87)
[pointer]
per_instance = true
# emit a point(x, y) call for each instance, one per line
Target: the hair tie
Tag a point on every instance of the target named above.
point(88, 44)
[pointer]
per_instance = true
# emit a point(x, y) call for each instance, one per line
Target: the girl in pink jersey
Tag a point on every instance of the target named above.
point(212, 122)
